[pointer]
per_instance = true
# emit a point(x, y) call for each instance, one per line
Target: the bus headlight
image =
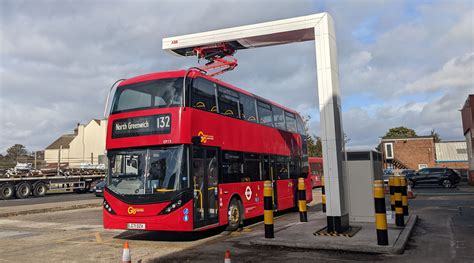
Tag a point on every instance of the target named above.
point(171, 207)
point(178, 202)
point(108, 208)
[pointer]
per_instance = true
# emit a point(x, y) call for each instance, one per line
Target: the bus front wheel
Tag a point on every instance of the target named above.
point(234, 215)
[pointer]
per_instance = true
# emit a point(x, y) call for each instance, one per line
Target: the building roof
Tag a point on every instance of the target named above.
point(451, 151)
point(429, 137)
point(63, 141)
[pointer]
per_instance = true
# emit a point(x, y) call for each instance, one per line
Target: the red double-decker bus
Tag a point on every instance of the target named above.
point(315, 170)
point(188, 152)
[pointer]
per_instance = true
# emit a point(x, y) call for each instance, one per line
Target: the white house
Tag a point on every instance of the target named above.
point(85, 146)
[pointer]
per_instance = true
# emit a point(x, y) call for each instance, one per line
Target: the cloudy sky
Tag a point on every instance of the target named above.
point(407, 63)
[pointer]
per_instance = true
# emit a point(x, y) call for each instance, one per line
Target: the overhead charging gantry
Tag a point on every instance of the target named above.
point(219, 58)
point(217, 48)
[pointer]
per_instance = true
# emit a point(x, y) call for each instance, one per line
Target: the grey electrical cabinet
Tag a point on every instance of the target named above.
point(362, 168)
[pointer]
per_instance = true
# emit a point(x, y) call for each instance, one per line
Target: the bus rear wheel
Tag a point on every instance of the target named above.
point(234, 215)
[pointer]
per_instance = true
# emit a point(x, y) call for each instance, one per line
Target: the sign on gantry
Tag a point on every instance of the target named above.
point(317, 27)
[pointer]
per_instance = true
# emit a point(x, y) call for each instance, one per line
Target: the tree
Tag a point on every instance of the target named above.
point(435, 135)
point(16, 151)
point(314, 147)
point(314, 142)
point(400, 132)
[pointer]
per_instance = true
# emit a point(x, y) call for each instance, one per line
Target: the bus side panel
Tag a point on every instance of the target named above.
point(237, 135)
point(251, 195)
point(285, 191)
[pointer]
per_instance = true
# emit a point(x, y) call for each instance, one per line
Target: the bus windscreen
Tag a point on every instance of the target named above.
point(162, 93)
point(153, 171)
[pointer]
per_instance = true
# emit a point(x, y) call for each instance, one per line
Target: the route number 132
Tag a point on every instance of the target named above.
point(163, 122)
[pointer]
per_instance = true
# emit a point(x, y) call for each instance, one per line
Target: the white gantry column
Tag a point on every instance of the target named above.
point(332, 135)
point(318, 27)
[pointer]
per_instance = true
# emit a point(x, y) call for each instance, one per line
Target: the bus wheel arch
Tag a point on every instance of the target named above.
point(235, 213)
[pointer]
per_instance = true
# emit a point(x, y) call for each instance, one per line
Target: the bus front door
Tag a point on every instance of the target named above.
point(205, 172)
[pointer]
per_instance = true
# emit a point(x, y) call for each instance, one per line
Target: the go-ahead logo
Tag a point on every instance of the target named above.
point(205, 137)
point(132, 210)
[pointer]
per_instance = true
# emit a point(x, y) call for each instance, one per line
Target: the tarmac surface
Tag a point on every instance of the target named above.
point(443, 233)
point(49, 198)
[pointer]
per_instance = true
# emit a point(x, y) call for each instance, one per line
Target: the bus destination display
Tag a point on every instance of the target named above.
point(139, 126)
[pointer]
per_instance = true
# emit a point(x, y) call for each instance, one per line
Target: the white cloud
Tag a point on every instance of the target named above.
point(458, 72)
point(58, 59)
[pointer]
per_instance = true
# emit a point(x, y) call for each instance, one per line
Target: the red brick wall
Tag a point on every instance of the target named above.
point(414, 152)
point(454, 165)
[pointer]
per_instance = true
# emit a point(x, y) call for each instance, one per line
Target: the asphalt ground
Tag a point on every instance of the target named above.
point(49, 198)
point(444, 233)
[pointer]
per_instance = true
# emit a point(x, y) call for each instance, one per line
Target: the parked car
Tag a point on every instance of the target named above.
point(407, 171)
point(463, 173)
point(99, 188)
point(444, 177)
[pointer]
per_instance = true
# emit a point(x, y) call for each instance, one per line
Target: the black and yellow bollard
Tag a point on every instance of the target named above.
point(302, 200)
point(392, 192)
point(380, 213)
point(403, 184)
point(268, 209)
point(323, 194)
point(399, 220)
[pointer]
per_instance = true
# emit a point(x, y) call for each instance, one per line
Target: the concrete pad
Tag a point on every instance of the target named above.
point(48, 207)
point(301, 235)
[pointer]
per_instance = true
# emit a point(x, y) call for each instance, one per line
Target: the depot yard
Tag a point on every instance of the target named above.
point(442, 233)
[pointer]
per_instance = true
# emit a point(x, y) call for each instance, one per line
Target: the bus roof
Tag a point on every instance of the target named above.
point(194, 74)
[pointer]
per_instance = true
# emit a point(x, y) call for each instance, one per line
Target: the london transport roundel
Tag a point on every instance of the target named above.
point(248, 193)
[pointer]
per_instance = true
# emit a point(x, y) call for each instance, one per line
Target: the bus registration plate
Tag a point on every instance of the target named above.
point(135, 226)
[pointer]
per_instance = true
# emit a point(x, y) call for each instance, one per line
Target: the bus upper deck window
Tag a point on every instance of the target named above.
point(265, 114)
point(204, 95)
point(247, 108)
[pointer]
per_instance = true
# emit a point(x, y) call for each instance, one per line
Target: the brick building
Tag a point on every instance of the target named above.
point(422, 152)
point(408, 153)
point(467, 113)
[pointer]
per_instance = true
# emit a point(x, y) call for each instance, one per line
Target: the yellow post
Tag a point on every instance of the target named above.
point(399, 220)
point(268, 209)
point(302, 200)
point(404, 195)
point(323, 194)
point(392, 192)
point(380, 213)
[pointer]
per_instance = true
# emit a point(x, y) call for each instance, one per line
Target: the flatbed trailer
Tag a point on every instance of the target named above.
point(26, 186)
